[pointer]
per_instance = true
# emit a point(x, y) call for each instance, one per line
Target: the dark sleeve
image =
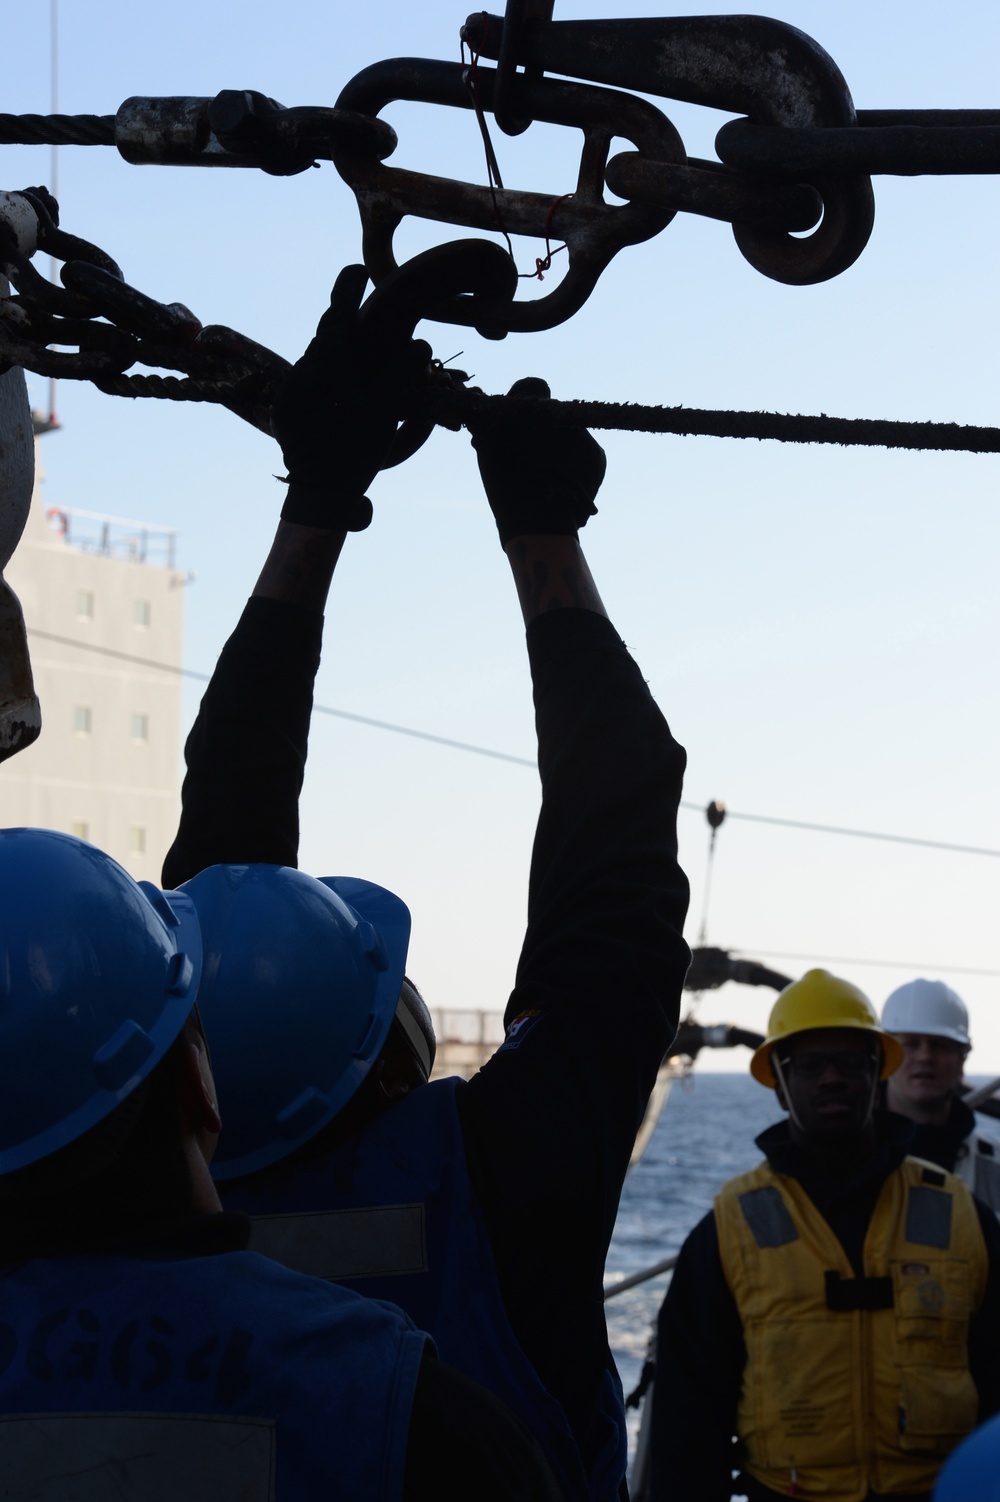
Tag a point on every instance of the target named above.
point(550, 1121)
point(465, 1443)
point(984, 1348)
point(700, 1356)
point(246, 753)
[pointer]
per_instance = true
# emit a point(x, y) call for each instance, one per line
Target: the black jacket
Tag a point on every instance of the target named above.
point(700, 1348)
point(548, 1126)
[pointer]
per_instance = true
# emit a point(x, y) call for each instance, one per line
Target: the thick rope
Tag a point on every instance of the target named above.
point(167, 388)
point(57, 130)
point(458, 409)
point(454, 409)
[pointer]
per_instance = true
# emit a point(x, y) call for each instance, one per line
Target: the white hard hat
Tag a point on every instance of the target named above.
point(929, 1007)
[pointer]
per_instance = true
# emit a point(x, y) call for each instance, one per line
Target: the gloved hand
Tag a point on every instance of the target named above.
point(540, 473)
point(335, 413)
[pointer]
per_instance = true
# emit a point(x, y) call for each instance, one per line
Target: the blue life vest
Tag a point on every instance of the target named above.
point(392, 1213)
point(198, 1379)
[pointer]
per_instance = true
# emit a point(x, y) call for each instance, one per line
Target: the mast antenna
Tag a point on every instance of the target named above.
point(715, 813)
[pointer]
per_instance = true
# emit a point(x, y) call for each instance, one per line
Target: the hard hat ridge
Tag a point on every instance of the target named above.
point(927, 1007)
point(98, 974)
point(300, 987)
point(821, 1000)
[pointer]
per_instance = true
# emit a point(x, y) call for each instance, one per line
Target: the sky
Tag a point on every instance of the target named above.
point(818, 624)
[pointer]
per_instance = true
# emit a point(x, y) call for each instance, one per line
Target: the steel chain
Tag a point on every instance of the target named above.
point(104, 326)
point(219, 365)
point(592, 229)
point(792, 179)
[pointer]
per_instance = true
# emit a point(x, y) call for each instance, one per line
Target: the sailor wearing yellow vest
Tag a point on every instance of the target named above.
point(838, 1312)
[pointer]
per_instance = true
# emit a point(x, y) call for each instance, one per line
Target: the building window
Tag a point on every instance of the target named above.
point(85, 604)
point(140, 727)
point(80, 829)
point(142, 614)
point(137, 840)
point(83, 719)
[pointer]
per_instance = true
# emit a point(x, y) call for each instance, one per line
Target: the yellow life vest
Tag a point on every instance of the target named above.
point(853, 1384)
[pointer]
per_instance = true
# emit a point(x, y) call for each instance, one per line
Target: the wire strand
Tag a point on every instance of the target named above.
point(858, 834)
point(519, 761)
point(470, 75)
point(920, 967)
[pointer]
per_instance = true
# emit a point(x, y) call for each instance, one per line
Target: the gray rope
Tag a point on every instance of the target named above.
point(168, 388)
point(57, 130)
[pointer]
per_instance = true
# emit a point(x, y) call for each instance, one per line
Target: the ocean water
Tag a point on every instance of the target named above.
point(705, 1135)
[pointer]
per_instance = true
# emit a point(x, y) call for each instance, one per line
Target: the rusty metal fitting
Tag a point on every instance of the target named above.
point(241, 128)
point(518, 15)
point(593, 229)
point(19, 218)
point(715, 192)
point(901, 143)
point(751, 65)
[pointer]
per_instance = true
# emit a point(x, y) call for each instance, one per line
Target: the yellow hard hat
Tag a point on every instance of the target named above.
point(821, 1000)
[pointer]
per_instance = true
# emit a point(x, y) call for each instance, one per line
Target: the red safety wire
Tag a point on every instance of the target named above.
point(470, 77)
point(543, 263)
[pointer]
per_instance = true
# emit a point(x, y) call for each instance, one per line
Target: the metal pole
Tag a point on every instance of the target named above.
point(984, 1092)
point(665, 1266)
point(53, 161)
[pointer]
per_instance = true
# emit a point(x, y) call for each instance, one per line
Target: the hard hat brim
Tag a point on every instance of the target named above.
point(892, 1050)
point(953, 1034)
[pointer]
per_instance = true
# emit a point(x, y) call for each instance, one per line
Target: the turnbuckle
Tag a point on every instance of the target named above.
point(241, 128)
point(770, 72)
point(592, 229)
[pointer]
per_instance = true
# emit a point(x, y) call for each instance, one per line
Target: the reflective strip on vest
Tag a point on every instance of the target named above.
point(382, 1242)
point(928, 1217)
point(405, 1175)
point(766, 1213)
point(986, 1183)
point(198, 1379)
point(136, 1457)
point(853, 1385)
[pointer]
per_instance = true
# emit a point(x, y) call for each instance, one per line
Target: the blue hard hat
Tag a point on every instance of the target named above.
point(98, 974)
point(973, 1472)
point(299, 990)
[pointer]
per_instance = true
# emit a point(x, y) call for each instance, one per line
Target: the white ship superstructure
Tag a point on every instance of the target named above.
point(103, 603)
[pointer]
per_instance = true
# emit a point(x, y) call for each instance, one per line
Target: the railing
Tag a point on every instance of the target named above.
point(114, 536)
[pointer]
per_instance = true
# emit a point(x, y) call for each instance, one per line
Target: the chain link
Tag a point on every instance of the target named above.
point(593, 229)
point(114, 326)
point(104, 326)
point(793, 180)
point(793, 177)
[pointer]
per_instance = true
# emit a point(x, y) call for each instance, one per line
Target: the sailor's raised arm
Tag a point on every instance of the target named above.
point(334, 417)
point(551, 1119)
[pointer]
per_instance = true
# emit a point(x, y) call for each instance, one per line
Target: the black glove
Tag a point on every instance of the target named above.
point(540, 472)
point(335, 413)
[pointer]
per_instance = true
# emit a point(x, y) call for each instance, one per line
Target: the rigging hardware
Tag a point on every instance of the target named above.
point(593, 229)
point(115, 326)
point(518, 14)
point(751, 65)
point(793, 177)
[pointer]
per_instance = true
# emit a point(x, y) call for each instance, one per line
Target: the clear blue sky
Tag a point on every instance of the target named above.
point(819, 625)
